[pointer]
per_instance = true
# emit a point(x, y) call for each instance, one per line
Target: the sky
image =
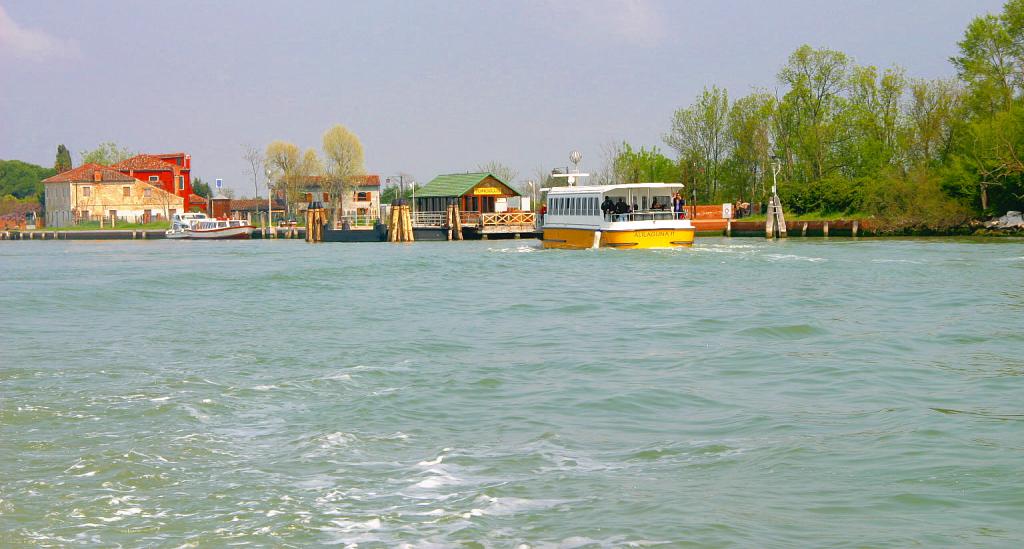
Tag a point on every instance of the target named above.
point(430, 87)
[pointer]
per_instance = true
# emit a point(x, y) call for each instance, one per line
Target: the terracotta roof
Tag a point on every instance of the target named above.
point(196, 199)
point(144, 163)
point(369, 180)
point(253, 204)
point(86, 173)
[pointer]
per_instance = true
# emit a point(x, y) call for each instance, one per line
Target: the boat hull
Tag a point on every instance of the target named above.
point(633, 239)
point(226, 233)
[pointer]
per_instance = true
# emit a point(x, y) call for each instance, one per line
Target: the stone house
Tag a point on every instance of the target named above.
point(91, 191)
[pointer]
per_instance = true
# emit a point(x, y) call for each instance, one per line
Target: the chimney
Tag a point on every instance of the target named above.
point(97, 176)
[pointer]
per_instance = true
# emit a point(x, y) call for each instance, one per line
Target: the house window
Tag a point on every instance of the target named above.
point(86, 191)
point(181, 183)
point(327, 197)
point(127, 191)
point(154, 179)
point(362, 196)
point(148, 193)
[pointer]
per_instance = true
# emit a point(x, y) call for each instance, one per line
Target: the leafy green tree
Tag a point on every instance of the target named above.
point(814, 128)
point(646, 166)
point(750, 135)
point(201, 187)
point(23, 180)
point(698, 134)
point(106, 154)
point(63, 160)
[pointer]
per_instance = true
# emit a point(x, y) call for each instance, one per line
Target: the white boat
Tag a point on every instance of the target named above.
point(575, 219)
point(197, 226)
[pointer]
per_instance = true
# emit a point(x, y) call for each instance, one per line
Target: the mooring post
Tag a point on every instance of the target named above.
point(856, 226)
point(824, 228)
point(728, 227)
point(803, 229)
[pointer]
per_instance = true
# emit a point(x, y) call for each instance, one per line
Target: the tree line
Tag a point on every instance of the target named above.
point(858, 139)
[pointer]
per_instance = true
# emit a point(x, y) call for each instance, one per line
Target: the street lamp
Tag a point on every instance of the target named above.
point(776, 167)
point(268, 199)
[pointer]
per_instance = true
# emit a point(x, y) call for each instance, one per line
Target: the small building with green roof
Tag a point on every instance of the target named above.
point(474, 192)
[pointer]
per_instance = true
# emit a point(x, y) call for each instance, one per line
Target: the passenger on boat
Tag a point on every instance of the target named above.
point(622, 209)
point(677, 205)
point(655, 205)
point(607, 207)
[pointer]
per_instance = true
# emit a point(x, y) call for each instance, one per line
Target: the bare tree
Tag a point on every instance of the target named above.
point(505, 173)
point(253, 157)
point(283, 158)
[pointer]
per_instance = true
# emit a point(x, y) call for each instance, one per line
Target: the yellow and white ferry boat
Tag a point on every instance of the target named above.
point(575, 220)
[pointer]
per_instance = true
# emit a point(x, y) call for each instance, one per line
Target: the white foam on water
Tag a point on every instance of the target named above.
point(520, 249)
point(265, 387)
point(128, 512)
point(160, 399)
point(791, 257)
point(897, 261)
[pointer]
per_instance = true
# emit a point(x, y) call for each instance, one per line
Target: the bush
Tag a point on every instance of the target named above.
point(913, 202)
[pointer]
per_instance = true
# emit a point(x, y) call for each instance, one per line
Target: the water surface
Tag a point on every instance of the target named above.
point(738, 393)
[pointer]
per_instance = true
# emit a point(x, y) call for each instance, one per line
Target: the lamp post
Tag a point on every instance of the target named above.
point(533, 194)
point(776, 168)
point(269, 194)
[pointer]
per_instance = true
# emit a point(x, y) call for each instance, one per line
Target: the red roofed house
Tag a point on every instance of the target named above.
point(172, 172)
point(365, 200)
point(91, 191)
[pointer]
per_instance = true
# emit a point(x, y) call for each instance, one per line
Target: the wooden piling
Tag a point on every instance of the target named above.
point(856, 227)
point(803, 229)
point(728, 227)
point(824, 228)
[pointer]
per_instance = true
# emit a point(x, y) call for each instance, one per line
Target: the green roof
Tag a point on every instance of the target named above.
point(456, 184)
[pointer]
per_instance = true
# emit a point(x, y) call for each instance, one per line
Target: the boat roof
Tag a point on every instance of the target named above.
point(606, 188)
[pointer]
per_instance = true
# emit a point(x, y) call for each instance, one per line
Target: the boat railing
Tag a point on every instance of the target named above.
point(649, 215)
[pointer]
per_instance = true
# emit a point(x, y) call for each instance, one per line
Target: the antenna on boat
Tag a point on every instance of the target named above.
point(575, 157)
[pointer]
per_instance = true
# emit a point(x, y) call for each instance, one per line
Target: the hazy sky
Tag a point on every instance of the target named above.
point(430, 87)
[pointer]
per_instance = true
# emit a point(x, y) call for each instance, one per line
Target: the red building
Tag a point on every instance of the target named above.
point(172, 172)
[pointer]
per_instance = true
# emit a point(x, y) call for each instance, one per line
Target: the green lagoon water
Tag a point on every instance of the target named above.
point(806, 393)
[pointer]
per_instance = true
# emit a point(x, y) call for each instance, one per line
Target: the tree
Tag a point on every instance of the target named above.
point(344, 158)
point(106, 154)
point(63, 160)
point(283, 160)
point(932, 113)
point(23, 180)
point(698, 133)
point(502, 171)
point(254, 161)
point(310, 168)
point(749, 132)
point(201, 187)
point(645, 166)
point(811, 107)
point(873, 114)
point(988, 62)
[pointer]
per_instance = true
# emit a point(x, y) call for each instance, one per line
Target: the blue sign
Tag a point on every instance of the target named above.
point(220, 183)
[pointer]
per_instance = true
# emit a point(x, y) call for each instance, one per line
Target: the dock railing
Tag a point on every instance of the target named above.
point(509, 219)
point(428, 219)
